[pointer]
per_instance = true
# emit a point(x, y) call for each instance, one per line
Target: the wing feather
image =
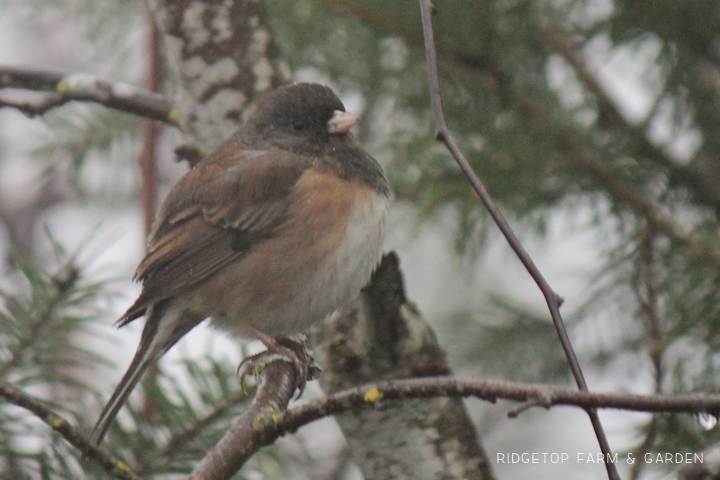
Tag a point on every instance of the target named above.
point(213, 216)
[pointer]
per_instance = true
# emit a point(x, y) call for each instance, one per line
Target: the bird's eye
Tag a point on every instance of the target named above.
point(298, 124)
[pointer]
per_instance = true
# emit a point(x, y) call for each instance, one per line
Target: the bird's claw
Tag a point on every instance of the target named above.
point(287, 350)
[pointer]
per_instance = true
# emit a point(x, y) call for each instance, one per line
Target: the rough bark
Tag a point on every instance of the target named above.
point(224, 56)
point(383, 337)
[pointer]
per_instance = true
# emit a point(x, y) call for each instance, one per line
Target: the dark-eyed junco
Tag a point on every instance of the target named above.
point(279, 226)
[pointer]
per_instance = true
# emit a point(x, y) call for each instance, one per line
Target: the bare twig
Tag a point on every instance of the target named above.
point(66, 87)
point(647, 296)
point(553, 299)
point(588, 159)
point(546, 396)
point(112, 465)
point(649, 304)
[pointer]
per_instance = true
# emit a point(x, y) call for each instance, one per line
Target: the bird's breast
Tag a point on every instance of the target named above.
point(316, 262)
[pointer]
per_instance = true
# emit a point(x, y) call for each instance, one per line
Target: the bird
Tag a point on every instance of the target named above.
point(276, 228)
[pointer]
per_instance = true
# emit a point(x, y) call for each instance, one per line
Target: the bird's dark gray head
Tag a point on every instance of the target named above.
point(295, 117)
point(310, 120)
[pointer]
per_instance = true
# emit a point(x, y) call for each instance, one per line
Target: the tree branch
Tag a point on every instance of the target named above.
point(254, 429)
point(654, 216)
point(553, 299)
point(265, 421)
point(148, 156)
point(112, 465)
point(67, 87)
point(270, 423)
point(546, 396)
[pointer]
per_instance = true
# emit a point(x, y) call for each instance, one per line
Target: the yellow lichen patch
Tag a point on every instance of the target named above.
point(57, 422)
point(339, 338)
point(174, 116)
point(277, 417)
point(63, 86)
point(373, 395)
point(259, 421)
point(123, 466)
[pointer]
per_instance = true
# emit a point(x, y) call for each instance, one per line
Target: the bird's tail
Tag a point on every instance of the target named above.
point(163, 328)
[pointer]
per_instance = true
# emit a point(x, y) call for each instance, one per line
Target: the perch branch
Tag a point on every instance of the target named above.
point(270, 425)
point(254, 429)
point(265, 421)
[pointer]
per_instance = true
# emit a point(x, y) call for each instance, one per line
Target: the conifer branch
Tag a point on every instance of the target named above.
point(699, 184)
point(110, 464)
point(59, 287)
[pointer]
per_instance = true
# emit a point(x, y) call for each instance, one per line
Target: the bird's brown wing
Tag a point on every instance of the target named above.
point(213, 216)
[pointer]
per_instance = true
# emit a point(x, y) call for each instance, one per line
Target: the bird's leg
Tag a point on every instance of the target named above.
point(292, 350)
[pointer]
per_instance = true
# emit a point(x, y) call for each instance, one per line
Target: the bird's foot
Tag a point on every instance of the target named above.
point(293, 350)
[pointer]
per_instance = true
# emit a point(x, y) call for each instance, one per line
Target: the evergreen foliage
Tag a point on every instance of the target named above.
point(544, 139)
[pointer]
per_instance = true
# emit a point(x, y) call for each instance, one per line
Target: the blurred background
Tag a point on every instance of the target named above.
point(595, 124)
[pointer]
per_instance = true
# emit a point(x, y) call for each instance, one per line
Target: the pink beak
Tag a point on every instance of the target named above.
point(342, 122)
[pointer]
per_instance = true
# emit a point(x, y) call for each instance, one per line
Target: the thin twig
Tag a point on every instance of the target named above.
point(147, 161)
point(553, 299)
point(649, 304)
point(588, 159)
point(82, 87)
point(110, 464)
point(647, 296)
point(545, 396)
